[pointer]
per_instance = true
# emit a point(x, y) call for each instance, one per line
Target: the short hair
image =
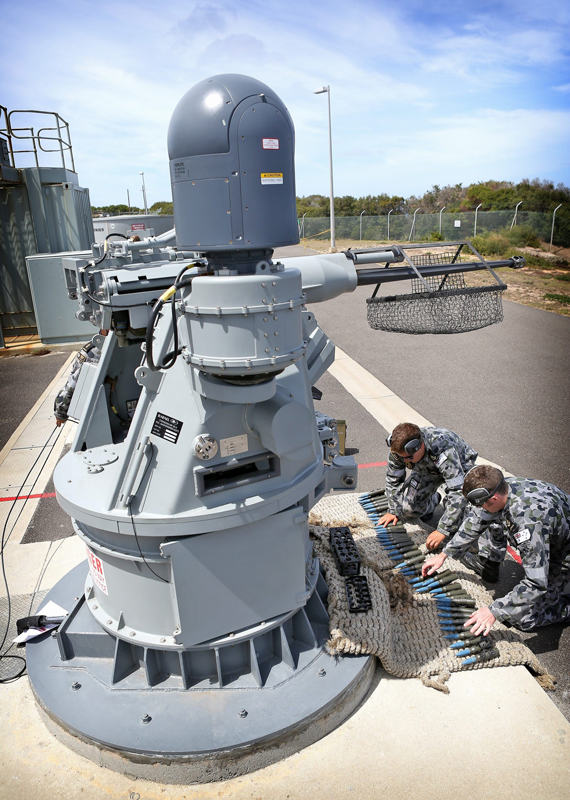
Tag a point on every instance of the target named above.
point(402, 434)
point(484, 477)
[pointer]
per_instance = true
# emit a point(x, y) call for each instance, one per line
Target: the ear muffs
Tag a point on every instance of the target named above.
point(410, 447)
point(480, 496)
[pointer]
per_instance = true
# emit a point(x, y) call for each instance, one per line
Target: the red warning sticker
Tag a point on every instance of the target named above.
point(270, 144)
point(97, 571)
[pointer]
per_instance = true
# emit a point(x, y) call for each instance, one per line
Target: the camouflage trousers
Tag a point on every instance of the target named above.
point(418, 496)
point(553, 607)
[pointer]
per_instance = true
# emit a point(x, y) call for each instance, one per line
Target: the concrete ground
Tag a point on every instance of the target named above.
point(497, 734)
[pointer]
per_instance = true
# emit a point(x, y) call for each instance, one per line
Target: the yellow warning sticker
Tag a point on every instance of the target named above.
point(271, 177)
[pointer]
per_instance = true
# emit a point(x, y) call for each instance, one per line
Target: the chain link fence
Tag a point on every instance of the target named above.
point(402, 228)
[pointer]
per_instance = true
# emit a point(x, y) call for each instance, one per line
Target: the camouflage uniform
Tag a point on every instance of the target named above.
point(446, 461)
point(535, 520)
point(89, 353)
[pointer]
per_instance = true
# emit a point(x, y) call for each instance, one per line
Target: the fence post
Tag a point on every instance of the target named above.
point(514, 222)
point(440, 213)
point(475, 226)
point(552, 230)
point(389, 212)
point(361, 213)
point(412, 229)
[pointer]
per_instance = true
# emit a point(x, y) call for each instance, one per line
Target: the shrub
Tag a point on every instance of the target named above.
point(521, 236)
point(560, 298)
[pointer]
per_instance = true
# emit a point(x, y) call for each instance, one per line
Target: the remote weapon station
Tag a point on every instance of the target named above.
point(194, 644)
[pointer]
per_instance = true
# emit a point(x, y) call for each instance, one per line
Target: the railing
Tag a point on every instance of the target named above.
point(40, 140)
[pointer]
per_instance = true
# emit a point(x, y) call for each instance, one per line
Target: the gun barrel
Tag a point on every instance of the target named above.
point(387, 274)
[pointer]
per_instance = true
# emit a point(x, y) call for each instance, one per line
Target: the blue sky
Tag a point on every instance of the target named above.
point(422, 92)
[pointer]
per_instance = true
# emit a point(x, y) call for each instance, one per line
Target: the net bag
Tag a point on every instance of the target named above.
point(447, 305)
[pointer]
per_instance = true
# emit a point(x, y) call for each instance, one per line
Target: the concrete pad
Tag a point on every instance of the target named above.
point(496, 735)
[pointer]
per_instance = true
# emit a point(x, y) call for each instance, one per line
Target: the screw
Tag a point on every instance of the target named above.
point(109, 622)
point(132, 633)
point(54, 634)
point(75, 686)
point(146, 719)
point(95, 607)
point(163, 639)
point(321, 673)
point(242, 713)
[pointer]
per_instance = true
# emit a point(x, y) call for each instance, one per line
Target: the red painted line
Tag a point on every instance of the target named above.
point(514, 554)
point(27, 497)
point(375, 464)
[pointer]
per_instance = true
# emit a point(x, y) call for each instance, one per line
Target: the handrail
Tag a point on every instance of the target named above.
point(61, 127)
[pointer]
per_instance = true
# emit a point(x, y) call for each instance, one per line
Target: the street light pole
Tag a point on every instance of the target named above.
point(322, 90)
point(476, 210)
point(144, 193)
point(361, 213)
point(552, 230)
point(440, 213)
point(389, 212)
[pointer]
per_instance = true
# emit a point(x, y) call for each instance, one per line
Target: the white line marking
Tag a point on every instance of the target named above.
point(381, 403)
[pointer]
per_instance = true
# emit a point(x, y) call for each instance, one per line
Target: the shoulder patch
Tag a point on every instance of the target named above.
point(441, 459)
point(522, 536)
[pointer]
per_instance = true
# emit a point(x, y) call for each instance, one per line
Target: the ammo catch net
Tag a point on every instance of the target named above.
point(450, 306)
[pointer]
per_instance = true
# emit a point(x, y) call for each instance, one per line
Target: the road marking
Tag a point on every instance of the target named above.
point(28, 497)
point(373, 464)
point(381, 403)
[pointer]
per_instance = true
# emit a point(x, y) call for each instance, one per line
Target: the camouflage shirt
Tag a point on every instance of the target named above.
point(446, 460)
point(535, 520)
point(89, 353)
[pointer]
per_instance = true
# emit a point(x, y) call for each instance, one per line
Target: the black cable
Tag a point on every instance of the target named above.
point(170, 358)
point(130, 512)
point(3, 542)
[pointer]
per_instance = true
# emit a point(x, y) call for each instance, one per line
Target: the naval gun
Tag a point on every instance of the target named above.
point(194, 646)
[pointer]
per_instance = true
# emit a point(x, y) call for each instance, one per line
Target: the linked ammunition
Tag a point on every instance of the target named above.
point(487, 655)
point(448, 588)
point(463, 636)
point(478, 648)
point(455, 602)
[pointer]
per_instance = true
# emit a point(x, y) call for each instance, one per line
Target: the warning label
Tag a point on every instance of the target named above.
point(271, 177)
point(270, 144)
point(179, 169)
point(230, 447)
point(137, 226)
point(167, 428)
point(97, 571)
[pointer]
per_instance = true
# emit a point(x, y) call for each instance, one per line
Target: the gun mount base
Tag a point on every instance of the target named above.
point(128, 715)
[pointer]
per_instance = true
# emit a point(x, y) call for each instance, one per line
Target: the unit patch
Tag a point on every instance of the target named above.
point(522, 536)
point(167, 428)
point(271, 177)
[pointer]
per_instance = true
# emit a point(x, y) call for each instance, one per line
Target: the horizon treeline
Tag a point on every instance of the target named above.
point(536, 195)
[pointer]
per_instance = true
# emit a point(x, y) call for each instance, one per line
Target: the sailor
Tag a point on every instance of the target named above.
point(90, 353)
point(532, 516)
point(434, 456)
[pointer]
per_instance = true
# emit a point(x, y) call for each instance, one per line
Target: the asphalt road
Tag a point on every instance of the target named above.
point(22, 380)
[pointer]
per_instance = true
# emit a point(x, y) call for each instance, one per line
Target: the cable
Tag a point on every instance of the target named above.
point(130, 511)
point(169, 295)
point(4, 541)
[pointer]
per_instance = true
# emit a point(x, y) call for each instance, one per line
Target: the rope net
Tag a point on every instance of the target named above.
point(447, 306)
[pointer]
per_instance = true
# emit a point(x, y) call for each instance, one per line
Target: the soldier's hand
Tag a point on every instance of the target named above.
point(433, 564)
point(482, 621)
point(388, 519)
point(434, 540)
point(59, 422)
